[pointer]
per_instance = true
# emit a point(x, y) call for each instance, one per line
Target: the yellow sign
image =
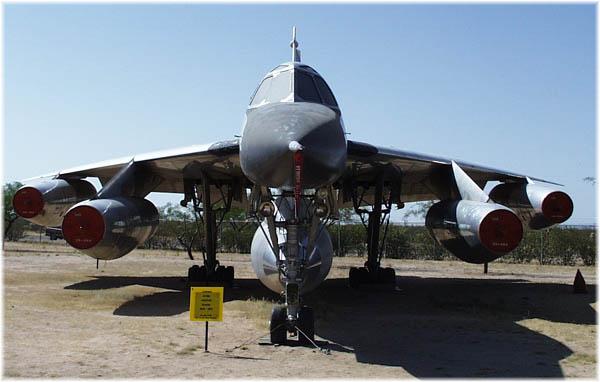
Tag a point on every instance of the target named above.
point(206, 304)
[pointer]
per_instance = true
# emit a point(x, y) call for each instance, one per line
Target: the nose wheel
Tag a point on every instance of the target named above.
point(281, 325)
point(278, 325)
point(306, 324)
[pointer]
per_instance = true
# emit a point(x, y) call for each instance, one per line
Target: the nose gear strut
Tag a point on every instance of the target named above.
point(292, 315)
point(298, 219)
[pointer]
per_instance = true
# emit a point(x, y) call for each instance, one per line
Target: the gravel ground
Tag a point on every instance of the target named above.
point(129, 319)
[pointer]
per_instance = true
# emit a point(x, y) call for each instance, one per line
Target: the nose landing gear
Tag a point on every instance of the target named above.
point(292, 317)
point(295, 233)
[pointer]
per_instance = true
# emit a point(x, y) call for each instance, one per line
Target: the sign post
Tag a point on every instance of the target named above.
point(206, 304)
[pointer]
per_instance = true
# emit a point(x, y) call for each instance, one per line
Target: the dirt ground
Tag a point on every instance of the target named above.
point(64, 318)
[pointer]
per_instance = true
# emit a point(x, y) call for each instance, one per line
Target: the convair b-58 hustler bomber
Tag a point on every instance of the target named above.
point(293, 169)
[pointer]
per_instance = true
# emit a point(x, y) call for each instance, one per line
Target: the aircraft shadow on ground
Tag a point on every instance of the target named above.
point(167, 303)
point(432, 327)
point(444, 327)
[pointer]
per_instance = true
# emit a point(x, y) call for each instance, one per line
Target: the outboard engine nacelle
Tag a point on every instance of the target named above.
point(107, 229)
point(539, 206)
point(46, 202)
point(475, 232)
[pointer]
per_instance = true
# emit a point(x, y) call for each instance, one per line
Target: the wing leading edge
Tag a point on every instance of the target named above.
point(220, 158)
point(419, 171)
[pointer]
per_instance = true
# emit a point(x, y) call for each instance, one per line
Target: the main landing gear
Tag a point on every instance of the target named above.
point(198, 275)
point(211, 272)
point(361, 276)
point(372, 272)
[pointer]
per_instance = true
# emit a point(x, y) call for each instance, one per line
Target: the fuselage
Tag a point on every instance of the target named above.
point(293, 107)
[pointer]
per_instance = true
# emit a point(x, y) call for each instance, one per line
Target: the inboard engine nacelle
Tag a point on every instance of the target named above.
point(46, 202)
point(107, 229)
point(475, 232)
point(539, 206)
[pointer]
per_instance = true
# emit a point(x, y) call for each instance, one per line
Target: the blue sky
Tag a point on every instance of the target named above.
point(509, 86)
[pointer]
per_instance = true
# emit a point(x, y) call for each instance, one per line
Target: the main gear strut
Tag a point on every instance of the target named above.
point(372, 272)
point(211, 270)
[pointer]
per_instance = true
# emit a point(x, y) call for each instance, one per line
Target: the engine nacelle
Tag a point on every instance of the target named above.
point(539, 206)
point(474, 232)
point(264, 261)
point(107, 229)
point(46, 202)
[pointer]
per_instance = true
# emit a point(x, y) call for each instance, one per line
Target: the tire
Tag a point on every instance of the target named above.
point(277, 325)
point(220, 274)
point(194, 274)
point(390, 275)
point(353, 278)
point(306, 323)
point(229, 275)
point(363, 275)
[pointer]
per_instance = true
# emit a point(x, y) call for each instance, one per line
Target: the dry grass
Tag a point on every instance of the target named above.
point(258, 310)
point(188, 350)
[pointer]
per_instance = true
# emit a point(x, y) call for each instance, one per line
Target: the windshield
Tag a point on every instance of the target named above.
point(305, 88)
point(273, 88)
point(326, 93)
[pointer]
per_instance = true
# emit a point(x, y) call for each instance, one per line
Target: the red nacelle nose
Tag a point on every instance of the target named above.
point(557, 207)
point(28, 202)
point(83, 227)
point(501, 231)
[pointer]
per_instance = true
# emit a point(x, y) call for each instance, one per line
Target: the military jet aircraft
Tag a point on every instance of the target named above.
point(292, 169)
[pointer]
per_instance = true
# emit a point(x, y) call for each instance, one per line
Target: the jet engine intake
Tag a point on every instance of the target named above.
point(46, 202)
point(539, 206)
point(475, 232)
point(107, 229)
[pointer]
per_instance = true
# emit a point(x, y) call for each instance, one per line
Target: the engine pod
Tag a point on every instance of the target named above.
point(46, 202)
point(539, 206)
point(474, 232)
point(317, 263)
point(107, 229)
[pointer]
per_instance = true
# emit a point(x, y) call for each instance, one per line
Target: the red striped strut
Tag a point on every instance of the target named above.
point(298, 168)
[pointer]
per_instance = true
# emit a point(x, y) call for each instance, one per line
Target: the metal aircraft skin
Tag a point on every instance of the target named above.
point(292, 170)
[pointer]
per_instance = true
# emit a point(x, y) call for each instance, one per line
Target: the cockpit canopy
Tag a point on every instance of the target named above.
point(293, 82)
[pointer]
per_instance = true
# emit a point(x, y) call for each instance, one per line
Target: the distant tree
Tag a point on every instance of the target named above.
point(236, 231)
point(419, 209)
point(10, 216)
point(178, 225)
point(590, 179)
point(347, 215)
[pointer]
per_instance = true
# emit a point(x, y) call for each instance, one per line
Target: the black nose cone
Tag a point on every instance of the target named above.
point(265, 153)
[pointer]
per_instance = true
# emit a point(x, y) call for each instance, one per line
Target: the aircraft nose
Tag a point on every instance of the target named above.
point(265, 153)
